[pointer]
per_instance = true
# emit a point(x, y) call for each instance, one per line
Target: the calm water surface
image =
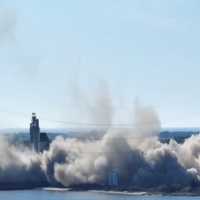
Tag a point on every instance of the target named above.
point(62, 195)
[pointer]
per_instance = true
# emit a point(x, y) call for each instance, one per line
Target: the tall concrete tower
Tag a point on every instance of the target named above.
point(35, 133)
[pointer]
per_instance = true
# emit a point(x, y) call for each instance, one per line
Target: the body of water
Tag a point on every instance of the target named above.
point(40, 194)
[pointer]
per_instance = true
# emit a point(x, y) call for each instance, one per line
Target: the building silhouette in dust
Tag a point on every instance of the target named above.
point(113, 178)
point(39, 140)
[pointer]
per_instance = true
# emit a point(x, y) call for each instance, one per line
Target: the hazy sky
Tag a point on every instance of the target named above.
point(146, 49)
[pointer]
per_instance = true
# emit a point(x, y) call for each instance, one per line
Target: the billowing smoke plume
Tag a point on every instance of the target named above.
point(19, 166)
point(94, 108)
point(101, 110)
point(7, 25)
point(146, 121)
point(141, 163)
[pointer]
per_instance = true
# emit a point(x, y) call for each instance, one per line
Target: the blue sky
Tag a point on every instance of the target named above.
point(142, 48)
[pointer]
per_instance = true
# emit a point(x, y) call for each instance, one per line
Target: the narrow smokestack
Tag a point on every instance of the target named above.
point(35, 133)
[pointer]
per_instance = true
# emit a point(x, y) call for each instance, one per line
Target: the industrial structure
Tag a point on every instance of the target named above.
point(39, 140)
point(113, 178)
